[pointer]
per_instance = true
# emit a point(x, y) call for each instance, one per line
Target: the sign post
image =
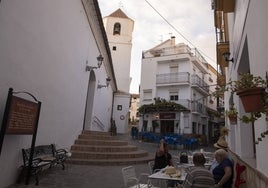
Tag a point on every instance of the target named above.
point(21, 116)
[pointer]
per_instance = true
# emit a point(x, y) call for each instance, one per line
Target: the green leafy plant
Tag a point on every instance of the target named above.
point(161, 105)
point(262, 135)
point(231, 112)
point(246, 81)
point(232, 115)
point(155, 124)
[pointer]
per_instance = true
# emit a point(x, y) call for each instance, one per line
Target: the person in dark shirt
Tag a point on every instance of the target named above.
point(223, 173)
point(162, 157)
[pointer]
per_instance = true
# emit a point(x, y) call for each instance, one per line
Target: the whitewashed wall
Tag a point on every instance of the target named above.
point(121, 116)
point(258, 45)
point(44, 46)
point(248, 25)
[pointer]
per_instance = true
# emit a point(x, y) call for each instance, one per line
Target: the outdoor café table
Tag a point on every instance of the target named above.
point(161, 175)
point(188, 165)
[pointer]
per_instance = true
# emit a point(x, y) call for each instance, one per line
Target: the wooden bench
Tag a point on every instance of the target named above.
point(44, 156)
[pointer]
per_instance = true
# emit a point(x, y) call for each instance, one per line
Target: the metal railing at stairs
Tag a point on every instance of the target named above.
point(96, 122)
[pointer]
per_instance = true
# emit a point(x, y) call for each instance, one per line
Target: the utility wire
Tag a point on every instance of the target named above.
point(176, 29)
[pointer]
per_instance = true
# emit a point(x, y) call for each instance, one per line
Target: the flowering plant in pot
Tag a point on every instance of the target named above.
point(251, 90)
point(232, 114)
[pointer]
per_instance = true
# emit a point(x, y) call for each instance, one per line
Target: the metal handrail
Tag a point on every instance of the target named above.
point(98, 123)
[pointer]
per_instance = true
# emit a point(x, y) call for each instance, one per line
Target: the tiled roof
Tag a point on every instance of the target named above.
point(119, 14)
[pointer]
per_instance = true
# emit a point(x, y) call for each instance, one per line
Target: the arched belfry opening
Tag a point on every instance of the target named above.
point(89, 101)
point(117, 28)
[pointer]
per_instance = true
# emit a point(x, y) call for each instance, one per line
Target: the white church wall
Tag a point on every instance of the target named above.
point(44, 48)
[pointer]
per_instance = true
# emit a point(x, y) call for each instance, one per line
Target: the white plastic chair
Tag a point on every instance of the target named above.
point(154, 182)
point(151, 167)
point(130, 178)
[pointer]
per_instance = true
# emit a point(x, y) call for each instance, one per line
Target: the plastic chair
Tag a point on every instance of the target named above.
point(151, 167)
point(154, 182)
point(183, 157)
point(130, 178)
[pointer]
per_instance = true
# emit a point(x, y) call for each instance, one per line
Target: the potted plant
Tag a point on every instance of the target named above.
point(232, 115)
point(251, 90)
point(154, 125)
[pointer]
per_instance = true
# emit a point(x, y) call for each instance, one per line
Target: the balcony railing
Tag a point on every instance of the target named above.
point(200, 84)
point(173, 78)
point(176, 50)
point(197, 54)
point(199, 108)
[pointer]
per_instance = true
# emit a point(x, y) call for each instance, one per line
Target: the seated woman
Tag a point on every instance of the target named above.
point(223, 173)
point(162, 157)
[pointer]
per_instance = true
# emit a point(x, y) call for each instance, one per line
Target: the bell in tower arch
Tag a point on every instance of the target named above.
point(117, 29)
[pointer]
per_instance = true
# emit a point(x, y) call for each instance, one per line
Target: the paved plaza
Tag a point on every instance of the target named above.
point(80, 176)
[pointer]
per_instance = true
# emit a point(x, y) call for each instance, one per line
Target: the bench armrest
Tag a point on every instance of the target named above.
point(61, 152)
point(61, 155)
point(36, 162)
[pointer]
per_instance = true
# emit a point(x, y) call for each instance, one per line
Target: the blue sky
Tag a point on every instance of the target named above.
point(192, 18)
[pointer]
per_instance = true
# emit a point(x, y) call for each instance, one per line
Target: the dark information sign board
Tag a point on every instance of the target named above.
point(167, 115)
point(22, 116)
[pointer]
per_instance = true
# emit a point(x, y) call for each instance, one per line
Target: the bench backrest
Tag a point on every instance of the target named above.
point(38, 151)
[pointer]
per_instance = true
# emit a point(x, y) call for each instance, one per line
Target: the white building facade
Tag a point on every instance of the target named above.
point(119, 28)
point(176, 73)
point(134, 105)
point(48, 48)
point(241, 30)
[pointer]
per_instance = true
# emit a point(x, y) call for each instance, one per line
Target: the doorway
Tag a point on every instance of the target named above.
point(167, 126)
point(89, 101)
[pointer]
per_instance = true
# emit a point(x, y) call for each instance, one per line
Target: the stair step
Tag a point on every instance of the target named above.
point(99, 148)
point(101, 142)
point(108, 155)
point(95, 133)
point(129, 161)
point(97, 137)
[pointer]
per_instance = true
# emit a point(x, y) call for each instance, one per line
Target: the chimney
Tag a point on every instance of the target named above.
point(173, 40)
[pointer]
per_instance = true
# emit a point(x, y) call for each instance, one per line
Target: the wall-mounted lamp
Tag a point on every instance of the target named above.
point(108, 80)
point(99, 59)
point(226, 56)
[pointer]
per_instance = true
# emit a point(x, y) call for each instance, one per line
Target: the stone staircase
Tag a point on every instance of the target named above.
point(100, 148)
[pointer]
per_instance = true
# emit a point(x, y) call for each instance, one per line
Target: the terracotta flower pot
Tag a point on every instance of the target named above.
point(252, 98)
point(232, 119)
